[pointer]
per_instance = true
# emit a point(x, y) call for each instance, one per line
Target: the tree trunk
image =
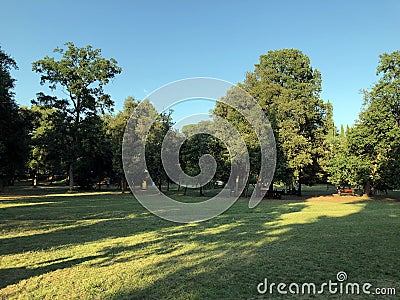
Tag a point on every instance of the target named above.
point(35, 182)
point(246, 189)
point(168, 184)
point(123, 185)
point(271, 187)
point(367, 188)
point(299, 189)
point(185, 190)
point(71, 178)
point(201, 191)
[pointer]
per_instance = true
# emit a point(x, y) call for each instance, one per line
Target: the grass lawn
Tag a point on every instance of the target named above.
point(107, 246)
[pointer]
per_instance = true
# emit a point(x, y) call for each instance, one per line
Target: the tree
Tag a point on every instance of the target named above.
point(288, 89)
point(198, 144)
point(14, 125)
point(115, 127)
point(239, 98)
point(342, 166)
point(94, 162)
point(83, 73)
point(48, 144)
point(50, 141)
point(154, 141)
point(372, 149)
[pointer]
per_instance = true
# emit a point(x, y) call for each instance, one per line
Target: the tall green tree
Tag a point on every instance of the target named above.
point(375, 138)
point(198, 144)
point(236, 96)
point(48, 143)
point(94, 162)
point(288, 89)
point(154, 141)
point(134, 141)
point(115, 127)
point(372, 146)
point(14, 125)
point(343, 167)
point(82, 73)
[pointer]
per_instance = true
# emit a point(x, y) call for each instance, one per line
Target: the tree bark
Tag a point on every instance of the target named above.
point(299, 190)
point(35, 181)
point(367, 188)
point(271, 187)
point(71, 178)
point(123, 185)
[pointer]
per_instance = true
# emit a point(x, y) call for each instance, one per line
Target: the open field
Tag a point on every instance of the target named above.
point(107, 246)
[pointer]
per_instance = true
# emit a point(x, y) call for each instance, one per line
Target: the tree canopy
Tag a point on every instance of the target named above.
point(369, 155)
point(83, 73)
point(288, 89)
point(14, 125)
point(79, 136)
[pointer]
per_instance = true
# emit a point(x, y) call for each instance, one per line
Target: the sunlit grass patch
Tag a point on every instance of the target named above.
point(109, 246)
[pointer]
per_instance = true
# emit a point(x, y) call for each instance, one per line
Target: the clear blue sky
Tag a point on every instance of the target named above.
point(156, 42)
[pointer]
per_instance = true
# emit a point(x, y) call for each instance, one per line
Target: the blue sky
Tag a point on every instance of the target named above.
point(156, 42)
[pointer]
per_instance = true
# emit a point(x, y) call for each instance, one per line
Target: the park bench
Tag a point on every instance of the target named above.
point(346, 191)
point(272, 194)
point(349, 191)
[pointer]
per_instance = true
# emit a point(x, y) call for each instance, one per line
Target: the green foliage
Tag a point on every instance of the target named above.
point(240, 98)
point(83, 73)
point(49, 139)
point(135, 140)
point(14, 125)
point(198, 144)
point(372, 146)
point(154, 140)
point(115, 127)
point(343, 167)
point(288, 89)
point(376, 136)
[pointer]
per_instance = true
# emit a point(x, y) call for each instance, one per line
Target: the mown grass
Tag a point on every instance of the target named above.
point(107, 246)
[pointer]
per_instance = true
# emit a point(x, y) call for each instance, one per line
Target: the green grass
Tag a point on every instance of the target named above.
point(107, 246)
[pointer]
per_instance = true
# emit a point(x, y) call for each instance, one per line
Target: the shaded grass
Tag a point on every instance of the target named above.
point(107, 246)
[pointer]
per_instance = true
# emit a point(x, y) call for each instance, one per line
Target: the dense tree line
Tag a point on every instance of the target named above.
point(368, 153)
point(79, 137)
point(14, 125)
point(288, 89)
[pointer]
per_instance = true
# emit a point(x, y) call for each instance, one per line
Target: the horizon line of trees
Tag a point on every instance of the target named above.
point(78, 137)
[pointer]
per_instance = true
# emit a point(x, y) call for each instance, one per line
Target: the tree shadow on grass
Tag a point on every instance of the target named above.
point(360, 244)
point(165, 241)
point(14, 275)
point(234, 251)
